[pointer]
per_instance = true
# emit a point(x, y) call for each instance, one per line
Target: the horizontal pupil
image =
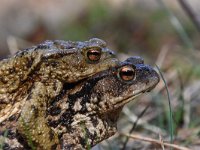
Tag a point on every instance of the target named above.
point(128, 73)
point(94, 55)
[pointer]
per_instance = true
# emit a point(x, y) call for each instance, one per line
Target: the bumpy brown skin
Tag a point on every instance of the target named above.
point(33, 77)
point(86, 113)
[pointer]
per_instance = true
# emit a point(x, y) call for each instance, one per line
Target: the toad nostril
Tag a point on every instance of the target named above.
point(112, 53)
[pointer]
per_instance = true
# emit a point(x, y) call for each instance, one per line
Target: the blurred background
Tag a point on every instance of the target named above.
point(163, 32)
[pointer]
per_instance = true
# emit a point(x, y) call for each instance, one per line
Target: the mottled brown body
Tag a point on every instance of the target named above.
point(86, 112)
point(31, 79)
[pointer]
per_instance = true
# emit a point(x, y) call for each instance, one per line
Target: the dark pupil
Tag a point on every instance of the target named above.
point(127, 74)
point(93, 55)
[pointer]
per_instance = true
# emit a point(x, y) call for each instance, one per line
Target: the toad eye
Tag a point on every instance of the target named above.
point(94, 54)
point(127, 73)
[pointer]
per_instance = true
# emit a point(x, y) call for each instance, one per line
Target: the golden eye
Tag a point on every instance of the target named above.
point(94, 54)
point(127, 73)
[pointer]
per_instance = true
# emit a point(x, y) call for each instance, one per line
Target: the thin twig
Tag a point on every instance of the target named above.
point(134, 126)
point(139, 137)
point(132, 117)
point(161, 140)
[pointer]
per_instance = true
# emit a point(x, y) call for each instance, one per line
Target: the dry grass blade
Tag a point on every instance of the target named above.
point(177, 25)
point(189, 93)
point(132, 118)
point(162, 55)
point(193, 16)
point(12, 44)
point(154, 141)
point(15, 44)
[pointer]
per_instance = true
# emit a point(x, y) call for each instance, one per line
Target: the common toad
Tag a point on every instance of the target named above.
point(35, 76)
point(86, 112)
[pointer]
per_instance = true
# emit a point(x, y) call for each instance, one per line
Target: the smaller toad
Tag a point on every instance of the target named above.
point(86, 113)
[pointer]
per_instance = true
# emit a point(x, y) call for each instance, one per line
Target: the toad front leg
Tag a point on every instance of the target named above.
point(87, 133)
point(32, 124)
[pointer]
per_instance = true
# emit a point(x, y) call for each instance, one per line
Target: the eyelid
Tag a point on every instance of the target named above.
point(94, 47)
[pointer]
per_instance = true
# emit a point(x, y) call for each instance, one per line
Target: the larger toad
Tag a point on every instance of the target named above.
point(87, 112)
point(34, 76)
